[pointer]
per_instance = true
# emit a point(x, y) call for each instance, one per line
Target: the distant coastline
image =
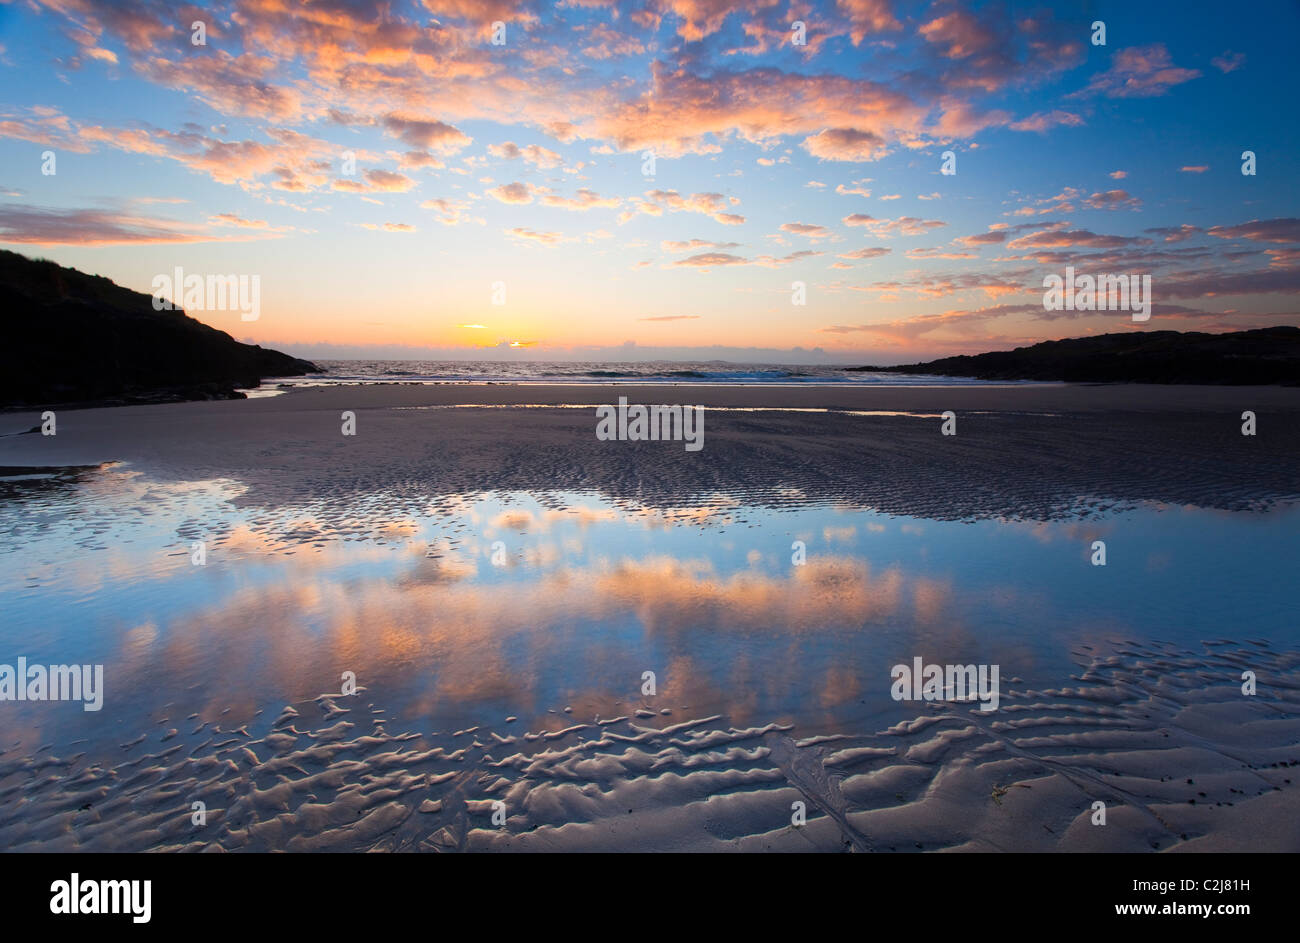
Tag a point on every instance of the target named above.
point(1268, 356)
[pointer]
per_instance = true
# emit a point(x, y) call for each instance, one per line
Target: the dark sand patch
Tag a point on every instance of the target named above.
point(1033, 453)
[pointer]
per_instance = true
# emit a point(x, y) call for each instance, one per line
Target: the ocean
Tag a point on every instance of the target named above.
point(655, 371)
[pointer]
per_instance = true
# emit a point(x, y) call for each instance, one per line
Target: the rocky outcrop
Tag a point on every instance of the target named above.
point(72, 338)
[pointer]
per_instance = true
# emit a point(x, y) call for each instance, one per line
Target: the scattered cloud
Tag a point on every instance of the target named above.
point(1139, 72)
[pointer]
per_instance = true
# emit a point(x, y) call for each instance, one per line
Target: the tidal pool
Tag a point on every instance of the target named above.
point(510, 624)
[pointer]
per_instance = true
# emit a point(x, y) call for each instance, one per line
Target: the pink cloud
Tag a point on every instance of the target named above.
point(41, 226)
point(512, 193)
point(867, 17)
point(1056, 238)
point(811, 230)
point(1112, 200)
point(846, 144)
point(534, 154)
point(903, 226)
point(1046, 120)
point(1261, 230)
point(1139, 72)
point(1228, 62)
point(584, 199)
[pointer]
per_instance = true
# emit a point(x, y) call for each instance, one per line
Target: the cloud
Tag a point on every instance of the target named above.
point(1139, 72)
point(1056, 238)
point(996, 237)
point(673, 317)
point(41, 226)
point(230, 219)
point(874, 252)
point(856, 188)
point(696, 19)
point(903, 226)
point(427, 133)
point(987, 50)
point(515, 193)
point(811, 230)
point(584, 200)
point(43, 126)
point(939, 286)
point(709, 204)
point(1112, 200)
point(1046, 120)
point(1060, 203)
point(959, 34)
point(390, 227)
point(1194, 169)
point(381, 181)
point(362, 62)
point(450, 212)
point(867, 18)
point(418, 159)
point(1209, 284)
point(1228, 62)
point(548, 239)
point(845, 144)
point(1261, 230)
point(230, 84)
point(534, 154)
point(939, 254)
point(691, 245)
point(139, 26)
point(708, 260)
point(1175, 233)
point(607, 43)
point(921, 324)
point(294, 161)
point(685, 112)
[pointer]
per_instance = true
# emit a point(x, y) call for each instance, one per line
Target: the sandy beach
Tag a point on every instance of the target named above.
point(1073, 447)
point(520, 683)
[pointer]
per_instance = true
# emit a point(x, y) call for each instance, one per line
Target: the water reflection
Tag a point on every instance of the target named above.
point(516, 604)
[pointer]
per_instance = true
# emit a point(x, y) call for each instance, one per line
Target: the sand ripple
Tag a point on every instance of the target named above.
point(1165, 738)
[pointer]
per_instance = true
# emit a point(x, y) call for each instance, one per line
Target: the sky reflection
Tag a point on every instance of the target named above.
point(583, 597)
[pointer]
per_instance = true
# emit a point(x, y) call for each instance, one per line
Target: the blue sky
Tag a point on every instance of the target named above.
point(520, 166)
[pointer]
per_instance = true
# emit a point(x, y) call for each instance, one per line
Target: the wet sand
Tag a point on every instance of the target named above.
point(1027, 452)
point(1163, 738)
point(1161, 735)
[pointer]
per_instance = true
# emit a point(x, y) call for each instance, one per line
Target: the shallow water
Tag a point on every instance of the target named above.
point(549, 608)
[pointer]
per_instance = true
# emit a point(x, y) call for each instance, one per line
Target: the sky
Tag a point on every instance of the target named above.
point(601, 180)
